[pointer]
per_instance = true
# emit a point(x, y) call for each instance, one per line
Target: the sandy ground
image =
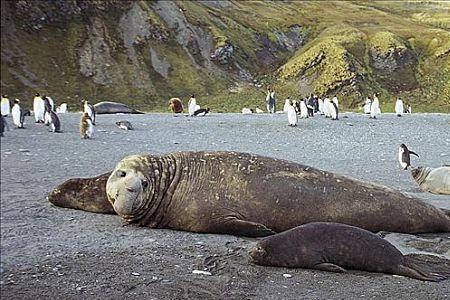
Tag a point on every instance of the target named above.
point(51, 252)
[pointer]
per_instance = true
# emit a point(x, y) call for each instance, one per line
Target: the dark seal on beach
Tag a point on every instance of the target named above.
point(114, 108)
point(249, 195)
point(333, 247)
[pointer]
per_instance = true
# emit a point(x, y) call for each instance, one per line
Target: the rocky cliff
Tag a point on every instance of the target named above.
point(227, 52)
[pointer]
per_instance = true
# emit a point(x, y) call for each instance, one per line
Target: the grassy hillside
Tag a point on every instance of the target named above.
point(227, 52)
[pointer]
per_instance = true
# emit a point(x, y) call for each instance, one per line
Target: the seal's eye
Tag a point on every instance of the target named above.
point(144, 184)
point(121, 173)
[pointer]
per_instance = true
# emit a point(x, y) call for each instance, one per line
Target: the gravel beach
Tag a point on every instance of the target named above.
point(49, 252)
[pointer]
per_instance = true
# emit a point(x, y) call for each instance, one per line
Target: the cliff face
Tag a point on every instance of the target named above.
point(144, 52)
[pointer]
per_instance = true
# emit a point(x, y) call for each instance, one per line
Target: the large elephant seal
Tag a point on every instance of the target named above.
point(251, 195)
point(333, 247)
point(107, 107)
point(436, 181)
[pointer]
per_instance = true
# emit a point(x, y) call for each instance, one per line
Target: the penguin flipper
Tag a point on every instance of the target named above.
point(413, 153)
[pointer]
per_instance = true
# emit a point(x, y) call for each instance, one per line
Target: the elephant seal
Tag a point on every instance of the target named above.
point(89, 192)
point(436, 181)
point(252, 195)
point(107, 107)
point(333, 247)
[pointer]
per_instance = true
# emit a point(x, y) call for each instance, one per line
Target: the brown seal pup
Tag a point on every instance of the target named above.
point(175, 105)
point(433, 180)
point(89, 192)
point(333, 247)
point(252, 195)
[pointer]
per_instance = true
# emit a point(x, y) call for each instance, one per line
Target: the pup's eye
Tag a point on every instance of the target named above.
point(144, 184)
point(121, 173)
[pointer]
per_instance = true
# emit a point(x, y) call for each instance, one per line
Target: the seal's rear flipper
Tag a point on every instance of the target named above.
point(233, 225)
point(329, 267)
point(410, 269)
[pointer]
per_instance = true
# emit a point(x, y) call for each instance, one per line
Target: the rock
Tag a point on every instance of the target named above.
point(135, 274)
point(200, 272)
point(286, 275)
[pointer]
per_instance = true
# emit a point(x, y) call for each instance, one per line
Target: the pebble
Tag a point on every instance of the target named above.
point(24, 150)
point(200, 272)
point(135, 274)
point(286, 275)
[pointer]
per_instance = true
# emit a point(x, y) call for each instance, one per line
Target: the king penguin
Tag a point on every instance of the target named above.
point(5, 106)
point(292, 115)
point(38, 108)
point(18, 114)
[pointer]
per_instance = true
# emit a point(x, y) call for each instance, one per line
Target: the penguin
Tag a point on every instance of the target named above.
point(18, 114)
point(54, 122)
point(62, 109)
point(326, 107)
point(303, 109)
point(52, 103)
point(399, 107)
point(292, 115)
point(38, 108)
point(335, 100)
point(3, 125)
point(367, 105)
point(334, 111)
point(90, 110)
point(47, 109)
point(374, 107)
point(86, 126)
point(321, 107)
point(201, 111)
point(287, 103)
point(192, 105)
point(404, 155)
point(5, 106)
point(125, 125)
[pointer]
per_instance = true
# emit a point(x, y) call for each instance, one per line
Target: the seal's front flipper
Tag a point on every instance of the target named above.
point(329, 267)
point(233, 225)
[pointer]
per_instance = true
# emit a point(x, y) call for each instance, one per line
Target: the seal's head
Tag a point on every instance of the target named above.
point(257, 254)
point(129, 189)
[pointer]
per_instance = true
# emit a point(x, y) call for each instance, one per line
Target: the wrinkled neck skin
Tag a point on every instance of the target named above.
point(420, 174)
point(163, 173)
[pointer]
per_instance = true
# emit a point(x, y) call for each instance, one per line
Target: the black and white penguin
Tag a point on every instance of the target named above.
point(38, 108)
point(292, 115)
point(18, 114)
point(3, 125)
point(89, 109)
point(334, 111)
point(5, 106)
point(54, 122)
point(404, 156)
point(303, 109)
point(125, 125)
point(47, 109)
point(201, 111)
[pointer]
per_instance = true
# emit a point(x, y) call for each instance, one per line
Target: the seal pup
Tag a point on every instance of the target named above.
point(90, 110)
point(108, 107)
point(404, 156)
point(333, 247)
point(176, 105)
point(125, 125)
point(18, 114)
point(38, 108)
point(433, 180)
point(399, 107)
point(54, 122)
point(5, 106)
point(251, 195)
point(292, 115)
point(86, 126)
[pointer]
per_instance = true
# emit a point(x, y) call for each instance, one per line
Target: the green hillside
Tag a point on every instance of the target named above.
point(226, 52)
